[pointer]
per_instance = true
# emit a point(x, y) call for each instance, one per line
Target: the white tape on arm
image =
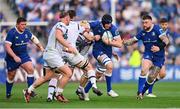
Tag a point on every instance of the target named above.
point(34, 39)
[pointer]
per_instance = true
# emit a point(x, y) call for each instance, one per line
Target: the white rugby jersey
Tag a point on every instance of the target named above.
point(74, 29)
point(53, 43)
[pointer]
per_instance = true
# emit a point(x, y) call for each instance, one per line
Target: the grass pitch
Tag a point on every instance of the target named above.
point(168, 97)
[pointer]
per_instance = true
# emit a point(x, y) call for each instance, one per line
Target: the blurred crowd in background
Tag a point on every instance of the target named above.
point(128, 20)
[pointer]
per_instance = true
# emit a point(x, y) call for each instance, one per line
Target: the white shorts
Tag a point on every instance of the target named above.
point(73, 59)
point(53, 59)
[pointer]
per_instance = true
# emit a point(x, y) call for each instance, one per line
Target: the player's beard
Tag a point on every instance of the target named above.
point(147, 28)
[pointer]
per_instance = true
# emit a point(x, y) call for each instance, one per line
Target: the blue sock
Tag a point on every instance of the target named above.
point(141, 82)
point(88, 87)
point(146, 86)
point(108, 83)
point(30, 80)
point(151, 86)
point(9, 86)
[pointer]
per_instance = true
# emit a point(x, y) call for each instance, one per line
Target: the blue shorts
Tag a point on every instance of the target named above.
point(12, 65)
point(99, 53)
point(156, 60)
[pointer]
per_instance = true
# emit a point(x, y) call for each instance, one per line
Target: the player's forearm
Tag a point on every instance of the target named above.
point(165, 42)
point(129, 42)
point(165, 39)
point(88, 36)
point(116, 43)
point(9, 50)
point(39, 45)
point(61, 40)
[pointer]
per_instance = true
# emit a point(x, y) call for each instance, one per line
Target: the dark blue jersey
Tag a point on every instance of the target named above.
point(18, 42)
point(151, 38)
point(100, 46)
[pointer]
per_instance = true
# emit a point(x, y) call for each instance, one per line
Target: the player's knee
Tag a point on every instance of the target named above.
point(162, 75)
point(88, 67)
point(143, 72)
point(68, 74)
point(151, 78)
point(98, 75)
point(30, 70)
point(11, 76)
point(109, 67)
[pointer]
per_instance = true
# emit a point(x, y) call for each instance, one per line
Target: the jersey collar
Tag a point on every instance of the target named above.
point(150, 28)
point(18, 30)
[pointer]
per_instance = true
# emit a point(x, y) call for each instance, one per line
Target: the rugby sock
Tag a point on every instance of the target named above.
point(146, 86)
point(108, 81)
point(92, 77)
point(9, 85)
point(88, 87)
point(59, 91)
point(30, 89)
point(30, 79)
point(151, 86)
point(52, 87)
point(141, 82)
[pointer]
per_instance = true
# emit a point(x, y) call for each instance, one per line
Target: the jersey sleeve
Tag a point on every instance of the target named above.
point(138, 36)
point(115, 32)
point(93, 24)
point(9, 38)
point(62, 28)
point(29, 33)
point(159, 31)
point(81, 29)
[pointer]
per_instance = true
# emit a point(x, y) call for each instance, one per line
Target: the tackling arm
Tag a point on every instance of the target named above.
point(61, 40)
point(165, 41)
point(89, 36)
point(116, 42)
point(129, 41)
point(35, 40)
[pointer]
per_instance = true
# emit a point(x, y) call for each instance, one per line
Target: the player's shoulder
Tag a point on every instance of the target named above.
point(60, 25)
point(73, 23)
point(113, 27)
point(95, 23)
point(27, 30)
point(156, 26)
point(12, 31)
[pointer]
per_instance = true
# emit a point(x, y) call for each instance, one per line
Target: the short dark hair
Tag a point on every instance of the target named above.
point(63, 14)
point(20, 19)
point(163, 20)
point(145, 17)
point(72, 13)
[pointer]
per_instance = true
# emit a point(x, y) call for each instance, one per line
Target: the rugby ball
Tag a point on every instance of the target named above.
point(107, 35)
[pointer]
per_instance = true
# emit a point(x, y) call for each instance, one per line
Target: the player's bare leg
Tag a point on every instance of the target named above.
point(154, 71)
point(28, 67)
point(146, 64)
point(80, 90)
point(90, 74)
point(62, 83)
point(161, 75)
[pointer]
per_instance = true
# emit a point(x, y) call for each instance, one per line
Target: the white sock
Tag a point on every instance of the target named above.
point(92, 78)
point(59, 91)
point(52, 87)
point(80, 87)
point(30, 89)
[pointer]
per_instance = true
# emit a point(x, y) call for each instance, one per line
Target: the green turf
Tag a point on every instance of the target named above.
point(168, 96)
